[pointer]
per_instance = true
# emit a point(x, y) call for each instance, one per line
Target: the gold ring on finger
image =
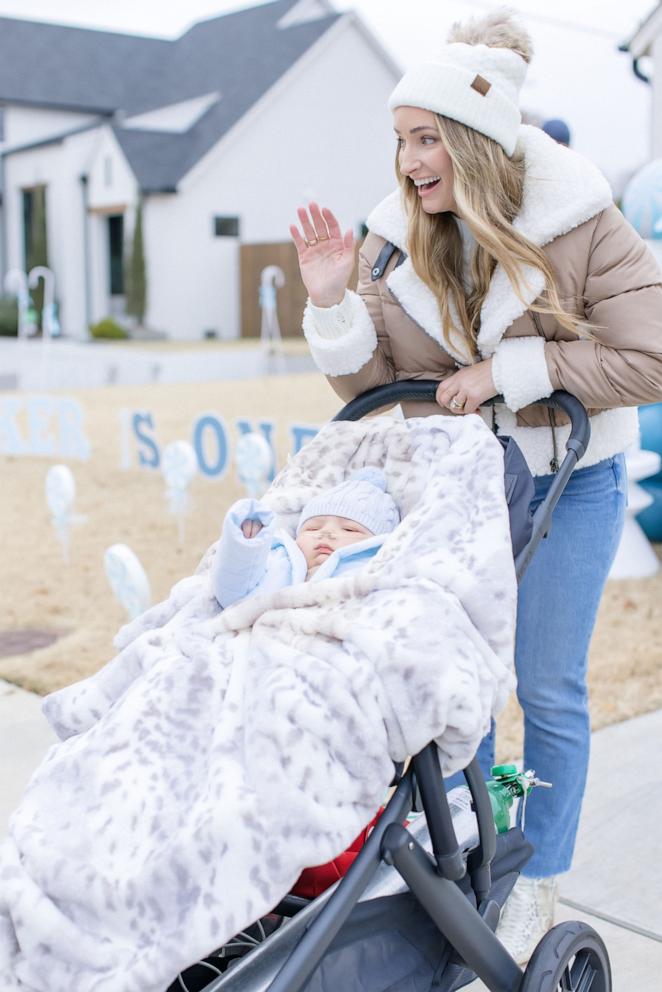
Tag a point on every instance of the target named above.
point(322, 237)
point(313, 241)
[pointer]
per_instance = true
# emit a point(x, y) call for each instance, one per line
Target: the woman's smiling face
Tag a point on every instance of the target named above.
point(422, 157)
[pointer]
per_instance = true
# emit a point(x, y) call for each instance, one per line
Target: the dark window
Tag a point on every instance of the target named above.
point(226, 227)
point(116, 254)
point(35, 241)
point(35, 246)
point(27, 224)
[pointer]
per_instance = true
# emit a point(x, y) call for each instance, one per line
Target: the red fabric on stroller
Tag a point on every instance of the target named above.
point(313, 881)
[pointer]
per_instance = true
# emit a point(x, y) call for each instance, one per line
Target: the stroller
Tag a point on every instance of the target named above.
point(417, 910)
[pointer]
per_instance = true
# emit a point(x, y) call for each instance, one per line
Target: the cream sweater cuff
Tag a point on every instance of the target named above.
point(332, 322)
point(347, 339)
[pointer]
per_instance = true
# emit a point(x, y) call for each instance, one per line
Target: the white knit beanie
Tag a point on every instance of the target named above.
point(362, 498)
point(476, 85)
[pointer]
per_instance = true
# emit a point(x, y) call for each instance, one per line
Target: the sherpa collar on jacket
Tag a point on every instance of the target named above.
point(561, 191)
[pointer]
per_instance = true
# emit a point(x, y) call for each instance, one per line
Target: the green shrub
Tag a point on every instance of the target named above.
point(135, 276)
point(108, 329)
point(8, 316)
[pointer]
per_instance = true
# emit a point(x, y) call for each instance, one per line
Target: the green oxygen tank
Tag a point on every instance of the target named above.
point(506, 785)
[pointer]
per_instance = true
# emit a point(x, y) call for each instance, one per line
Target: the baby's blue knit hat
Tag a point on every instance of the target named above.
point(362, 498)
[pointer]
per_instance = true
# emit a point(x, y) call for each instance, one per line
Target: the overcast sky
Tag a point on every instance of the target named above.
point(576, 74)
point(401, 24)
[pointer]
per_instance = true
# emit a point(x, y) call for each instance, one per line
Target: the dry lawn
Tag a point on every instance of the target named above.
point(129, 506)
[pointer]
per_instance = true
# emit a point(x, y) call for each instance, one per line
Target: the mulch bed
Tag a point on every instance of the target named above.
point(26, 639)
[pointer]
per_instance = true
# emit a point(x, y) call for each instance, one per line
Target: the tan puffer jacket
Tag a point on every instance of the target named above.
point(391, 328)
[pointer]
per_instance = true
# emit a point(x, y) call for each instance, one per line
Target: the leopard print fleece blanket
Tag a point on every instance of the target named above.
point(220, 753)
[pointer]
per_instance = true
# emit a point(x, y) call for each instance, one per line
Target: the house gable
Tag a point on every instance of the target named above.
point(112, 185)
point(159, 93)
point(642, 40)
point(242, 56)
point(332, 41)
point(27, 125)
point(272, 156)
point(305, 11)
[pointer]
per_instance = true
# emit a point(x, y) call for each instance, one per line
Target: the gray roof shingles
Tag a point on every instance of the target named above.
point(240, 55)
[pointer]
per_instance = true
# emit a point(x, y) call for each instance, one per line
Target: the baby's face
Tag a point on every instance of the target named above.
point(321, 536)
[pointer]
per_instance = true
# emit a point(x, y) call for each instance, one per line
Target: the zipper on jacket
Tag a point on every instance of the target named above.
point(554, 463)
point(551, 414)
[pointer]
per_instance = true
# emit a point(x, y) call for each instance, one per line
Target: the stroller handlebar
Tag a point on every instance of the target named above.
point(424, 391)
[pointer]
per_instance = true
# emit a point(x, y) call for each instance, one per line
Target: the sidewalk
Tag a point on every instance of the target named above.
point(616, 882)
point(38, 366)
point(24, 740)
point(615, 885)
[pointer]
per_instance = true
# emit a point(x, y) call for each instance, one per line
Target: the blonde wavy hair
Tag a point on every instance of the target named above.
point(487, 188)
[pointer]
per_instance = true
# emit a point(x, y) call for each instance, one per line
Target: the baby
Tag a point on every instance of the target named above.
point(338, 531)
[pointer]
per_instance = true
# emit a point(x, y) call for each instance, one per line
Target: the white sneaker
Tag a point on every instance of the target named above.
point(527, 915)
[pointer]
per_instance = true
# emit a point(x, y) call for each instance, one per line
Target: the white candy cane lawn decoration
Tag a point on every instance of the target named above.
point(16, 283)
point(271, 279)
point(50, 325)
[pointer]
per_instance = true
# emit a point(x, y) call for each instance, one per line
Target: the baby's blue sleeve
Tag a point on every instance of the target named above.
point(240, 562)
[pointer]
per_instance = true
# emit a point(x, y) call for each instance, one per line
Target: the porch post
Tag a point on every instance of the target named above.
point(86, 252)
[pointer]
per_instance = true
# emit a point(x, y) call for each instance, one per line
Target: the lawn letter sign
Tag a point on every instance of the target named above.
point(49, 426)
point(209, 437)
point(52, 426)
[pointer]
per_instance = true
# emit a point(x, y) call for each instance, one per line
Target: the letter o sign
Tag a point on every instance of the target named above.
point(211, 445)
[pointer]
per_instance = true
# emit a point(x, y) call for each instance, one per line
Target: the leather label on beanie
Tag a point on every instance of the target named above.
point(481, 85)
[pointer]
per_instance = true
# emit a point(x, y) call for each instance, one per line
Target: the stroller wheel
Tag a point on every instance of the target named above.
point(200, 975)
point(571, 957)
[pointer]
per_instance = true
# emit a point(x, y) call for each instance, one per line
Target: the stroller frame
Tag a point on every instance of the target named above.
point(468, 924)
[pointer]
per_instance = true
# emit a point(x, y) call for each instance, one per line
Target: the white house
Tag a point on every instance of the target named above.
point(222, 132)
point(647, 41)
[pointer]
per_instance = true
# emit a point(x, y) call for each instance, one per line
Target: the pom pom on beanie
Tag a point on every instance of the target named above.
point(374, 476)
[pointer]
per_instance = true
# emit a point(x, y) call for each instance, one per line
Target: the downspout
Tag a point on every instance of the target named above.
point(638, 73)
point(86, 252)
point(635, 65)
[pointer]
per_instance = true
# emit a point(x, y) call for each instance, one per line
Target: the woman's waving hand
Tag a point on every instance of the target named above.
point(326, 256)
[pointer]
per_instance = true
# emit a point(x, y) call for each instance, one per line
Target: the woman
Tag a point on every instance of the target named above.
point(513, 273)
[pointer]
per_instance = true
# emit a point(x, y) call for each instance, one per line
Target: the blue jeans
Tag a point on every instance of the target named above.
point(558, 602)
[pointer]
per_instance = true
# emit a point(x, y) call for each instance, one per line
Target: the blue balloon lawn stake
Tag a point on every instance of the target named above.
point(642, 200)
point(254, 462)
point(179, 465)
point(650, 420)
